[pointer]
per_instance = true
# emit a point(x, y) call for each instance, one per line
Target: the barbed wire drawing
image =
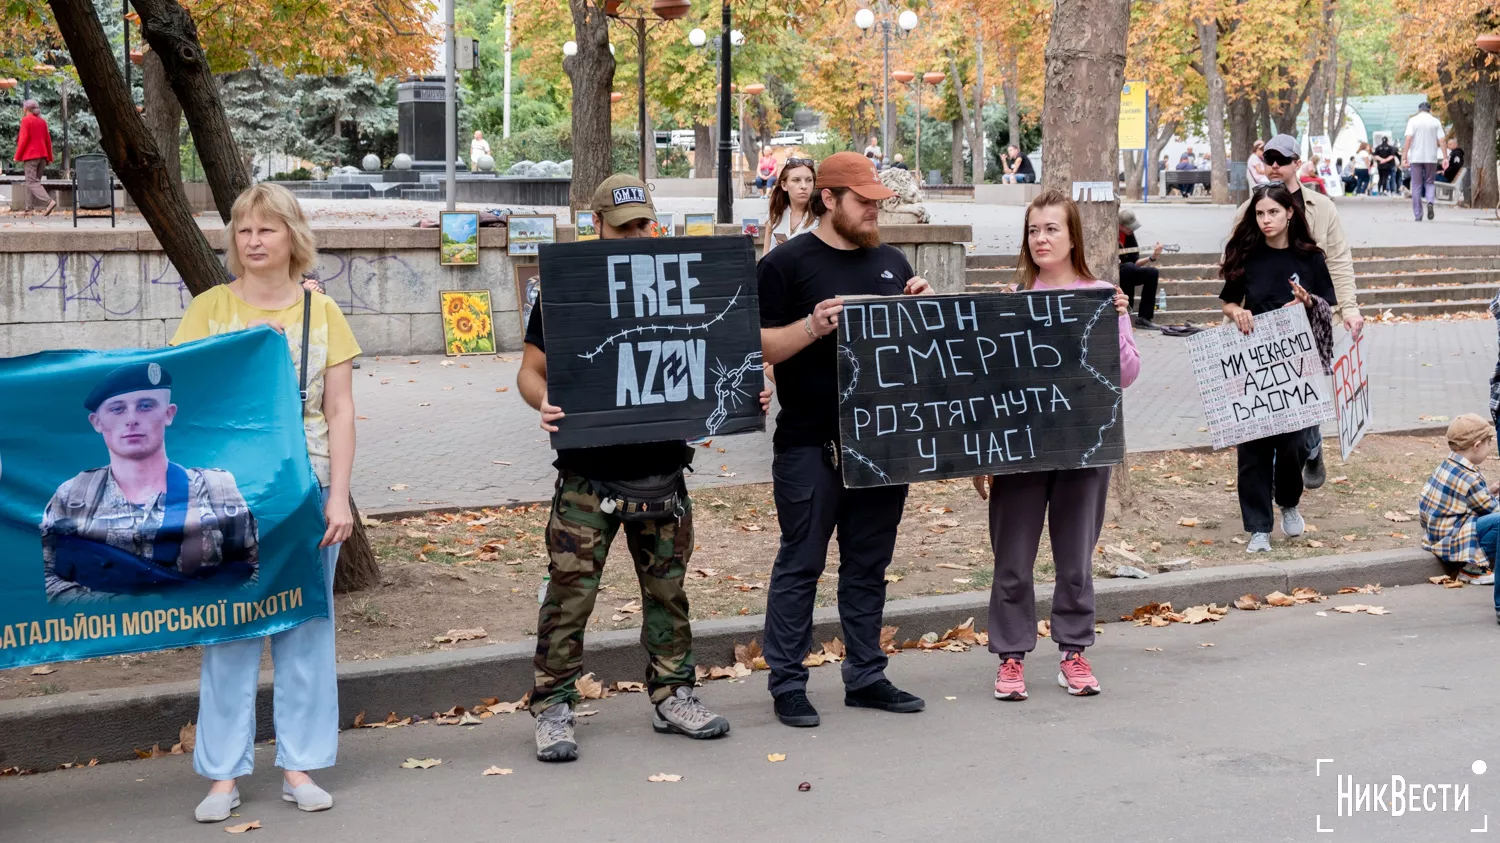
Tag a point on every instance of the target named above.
point(1083, 358)
point(865, 461)
point(848, 354)
point(729, 388)
point(670, 329)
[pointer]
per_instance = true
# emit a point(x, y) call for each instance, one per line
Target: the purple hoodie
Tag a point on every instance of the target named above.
point(1130, 358)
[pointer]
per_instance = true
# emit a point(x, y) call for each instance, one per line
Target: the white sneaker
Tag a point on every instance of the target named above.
point(1259, 543)
point(1291, 522)
point(1486, 578)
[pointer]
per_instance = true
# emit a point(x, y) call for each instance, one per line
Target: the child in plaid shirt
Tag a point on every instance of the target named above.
point(1459, 517)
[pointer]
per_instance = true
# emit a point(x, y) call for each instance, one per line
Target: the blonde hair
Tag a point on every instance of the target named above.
point(273, 202)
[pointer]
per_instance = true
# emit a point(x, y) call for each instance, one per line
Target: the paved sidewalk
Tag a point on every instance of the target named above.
point(1187, 742)
point(450, 438)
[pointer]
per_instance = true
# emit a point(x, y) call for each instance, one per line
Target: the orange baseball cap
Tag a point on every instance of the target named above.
point(854, 171)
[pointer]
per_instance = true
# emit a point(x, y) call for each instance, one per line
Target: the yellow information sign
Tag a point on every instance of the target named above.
point(1133, 116)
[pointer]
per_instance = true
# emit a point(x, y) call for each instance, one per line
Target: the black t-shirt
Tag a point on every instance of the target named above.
point(611, 462)
point(1267, 282)
point(1455, 163)
point(1024, 168)
point(793, 279)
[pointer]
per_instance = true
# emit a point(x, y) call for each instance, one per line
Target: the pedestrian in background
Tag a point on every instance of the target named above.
point(271, 248)
point(791, 204)
point(1256, 166)
point(765, 171)
point(1387, 159)
point(478, 148)
point(1070, 501)
point(1423, 150)
point(1270, 262)
point(1362, 169)
point(34, 151)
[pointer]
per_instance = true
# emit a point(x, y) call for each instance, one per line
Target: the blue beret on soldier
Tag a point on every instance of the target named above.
point(132, 377)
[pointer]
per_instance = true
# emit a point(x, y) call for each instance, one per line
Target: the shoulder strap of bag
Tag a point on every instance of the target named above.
point(306, 329)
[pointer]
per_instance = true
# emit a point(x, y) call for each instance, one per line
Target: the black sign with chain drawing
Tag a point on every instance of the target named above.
point(651, 340)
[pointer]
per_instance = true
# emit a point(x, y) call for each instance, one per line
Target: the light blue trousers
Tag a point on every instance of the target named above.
point(305, 699)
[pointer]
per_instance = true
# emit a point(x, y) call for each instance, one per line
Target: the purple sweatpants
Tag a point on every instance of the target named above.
point(1072, 503)
point(1423, 177)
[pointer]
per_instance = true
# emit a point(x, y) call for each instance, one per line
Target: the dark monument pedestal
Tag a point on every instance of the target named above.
point(421, 115)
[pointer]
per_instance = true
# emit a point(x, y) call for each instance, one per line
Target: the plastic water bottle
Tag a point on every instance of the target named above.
point(541, 593)
point(1161, 300)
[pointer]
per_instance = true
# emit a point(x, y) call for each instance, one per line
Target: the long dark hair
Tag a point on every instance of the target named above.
point(1026, 266)
point(1247, 236)
point(781, 201)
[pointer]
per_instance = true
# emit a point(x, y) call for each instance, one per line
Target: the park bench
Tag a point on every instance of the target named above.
point(1174, 178)
point(1451, 193)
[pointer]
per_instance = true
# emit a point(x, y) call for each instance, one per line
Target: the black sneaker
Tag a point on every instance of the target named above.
point(793, 708)
point(884, 696)
point(1145, 324)
point(1314, 472)
point(1429, 210)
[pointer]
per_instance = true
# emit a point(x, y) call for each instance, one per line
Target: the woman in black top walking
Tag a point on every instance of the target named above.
point(1271, 262)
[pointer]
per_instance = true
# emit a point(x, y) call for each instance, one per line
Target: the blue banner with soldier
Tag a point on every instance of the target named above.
point(154, 499)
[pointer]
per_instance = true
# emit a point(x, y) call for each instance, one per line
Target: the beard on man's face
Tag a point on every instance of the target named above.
point(849, 223)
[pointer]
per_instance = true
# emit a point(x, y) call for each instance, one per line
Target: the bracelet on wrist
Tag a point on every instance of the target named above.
point(807, 326)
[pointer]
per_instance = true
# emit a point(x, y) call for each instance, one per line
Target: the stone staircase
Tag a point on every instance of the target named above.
point(1406, 281)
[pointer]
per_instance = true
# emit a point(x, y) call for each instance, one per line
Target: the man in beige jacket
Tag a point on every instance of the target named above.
point(1281, 158)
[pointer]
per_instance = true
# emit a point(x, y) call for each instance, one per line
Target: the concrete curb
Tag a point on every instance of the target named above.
point(41, 733)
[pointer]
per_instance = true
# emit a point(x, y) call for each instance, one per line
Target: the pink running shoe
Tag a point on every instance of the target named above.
point(1010, 681)
point(1077, 676)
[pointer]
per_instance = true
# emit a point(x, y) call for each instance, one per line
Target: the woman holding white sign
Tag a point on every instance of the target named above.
point(1271, 262)
point(1070, 501)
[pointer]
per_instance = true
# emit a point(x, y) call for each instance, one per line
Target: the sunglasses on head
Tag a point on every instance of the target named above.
point(1262, 189)
point(799, 162)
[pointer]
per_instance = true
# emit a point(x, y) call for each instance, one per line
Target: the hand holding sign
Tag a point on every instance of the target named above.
point(825, 317)
point(982, 486)
point(1122, 303)
point(918, 286)
point(551, 415)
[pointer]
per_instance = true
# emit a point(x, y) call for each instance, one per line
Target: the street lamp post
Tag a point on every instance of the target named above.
point(907, 21)
point(728, 39)
point(933, 78)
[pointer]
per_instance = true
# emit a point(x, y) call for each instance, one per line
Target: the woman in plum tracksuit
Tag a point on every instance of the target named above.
point(1070, 500)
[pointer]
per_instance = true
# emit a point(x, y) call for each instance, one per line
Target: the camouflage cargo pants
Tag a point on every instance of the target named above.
point(578, 541)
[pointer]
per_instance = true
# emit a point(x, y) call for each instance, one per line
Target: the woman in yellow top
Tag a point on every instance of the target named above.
point(271, 249)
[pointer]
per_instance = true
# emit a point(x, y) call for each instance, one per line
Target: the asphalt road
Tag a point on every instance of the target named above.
point(1189, 743)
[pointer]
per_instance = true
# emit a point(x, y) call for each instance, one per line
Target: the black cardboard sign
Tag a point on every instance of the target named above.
point(651, 340)
point(933, 387)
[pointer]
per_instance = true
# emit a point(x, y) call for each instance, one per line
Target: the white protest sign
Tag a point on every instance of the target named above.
point(1351, 392)
point(1260, 384)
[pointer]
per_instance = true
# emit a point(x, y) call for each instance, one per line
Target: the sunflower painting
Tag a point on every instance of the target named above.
point(468, 327)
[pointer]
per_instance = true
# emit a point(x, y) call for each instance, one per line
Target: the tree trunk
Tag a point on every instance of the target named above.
point(1241, 127)
point(1012, 91)
point(592, 71)
point(1208, 42)
point(1481, 163)
point(163, 114)
point(1263, 116)
point(1336, 122)
point(132, 153)
point(1286, 117)
point(1134, 169)
point(174, 37)
point(976, 142)
point(703, 151)
point(1080, 123)
point(357, 569)
point(957, 157)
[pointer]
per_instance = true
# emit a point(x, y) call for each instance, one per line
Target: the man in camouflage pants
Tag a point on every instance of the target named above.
point(585, 522)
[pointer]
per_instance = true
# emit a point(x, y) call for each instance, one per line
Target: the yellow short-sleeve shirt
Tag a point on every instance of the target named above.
point(330, 342)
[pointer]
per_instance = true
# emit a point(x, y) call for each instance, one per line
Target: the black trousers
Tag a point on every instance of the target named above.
point(1144, 277)
point(1270, 471)
point(811, 503)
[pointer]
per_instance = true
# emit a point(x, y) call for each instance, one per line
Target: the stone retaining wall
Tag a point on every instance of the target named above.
point(115, 288)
